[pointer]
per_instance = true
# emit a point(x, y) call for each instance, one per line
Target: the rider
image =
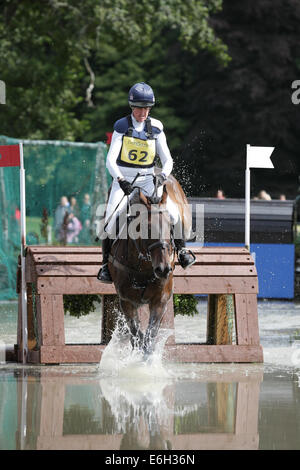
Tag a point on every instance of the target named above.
point(136, 140)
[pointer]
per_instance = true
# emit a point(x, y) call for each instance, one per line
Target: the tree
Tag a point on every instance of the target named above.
point(46, 50)
point(247, 102)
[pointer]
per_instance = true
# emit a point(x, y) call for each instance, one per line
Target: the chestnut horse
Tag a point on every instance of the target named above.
point(142, 266)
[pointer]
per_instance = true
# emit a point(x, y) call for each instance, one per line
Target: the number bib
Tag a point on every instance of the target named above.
point(137, 152)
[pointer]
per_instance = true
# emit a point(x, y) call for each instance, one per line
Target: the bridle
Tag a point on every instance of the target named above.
point(140, 279)
point(162, 244)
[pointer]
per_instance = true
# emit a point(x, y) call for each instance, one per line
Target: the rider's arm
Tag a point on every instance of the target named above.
point(113, 153)
point(164, 153)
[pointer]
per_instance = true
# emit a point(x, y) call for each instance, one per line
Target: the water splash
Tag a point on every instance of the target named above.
point(121, 360)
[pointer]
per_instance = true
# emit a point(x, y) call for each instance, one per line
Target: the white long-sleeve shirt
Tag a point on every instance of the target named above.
point(162, 149)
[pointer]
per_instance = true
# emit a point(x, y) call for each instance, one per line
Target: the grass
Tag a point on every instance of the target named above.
point(33, 226)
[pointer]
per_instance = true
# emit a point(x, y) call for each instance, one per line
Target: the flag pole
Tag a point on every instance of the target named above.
point(247, 202)
point(23, 260)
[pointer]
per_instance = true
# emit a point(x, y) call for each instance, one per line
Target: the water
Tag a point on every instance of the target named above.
point(131, 404)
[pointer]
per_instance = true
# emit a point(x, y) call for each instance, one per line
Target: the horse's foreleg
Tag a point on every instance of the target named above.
point(130, 313)
point(157, 311)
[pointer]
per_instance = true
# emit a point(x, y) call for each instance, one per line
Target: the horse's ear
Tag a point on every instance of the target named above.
point(164, 195)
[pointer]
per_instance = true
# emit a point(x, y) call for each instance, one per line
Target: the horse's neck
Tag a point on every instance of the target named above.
point(178, 197)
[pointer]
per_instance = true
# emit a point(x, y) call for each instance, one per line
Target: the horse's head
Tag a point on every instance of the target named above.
point(156, 242)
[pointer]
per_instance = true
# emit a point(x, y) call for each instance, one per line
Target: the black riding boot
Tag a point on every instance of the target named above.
point(104, 274)
point(185, 257)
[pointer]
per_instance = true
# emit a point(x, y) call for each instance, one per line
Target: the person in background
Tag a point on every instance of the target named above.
point(59, 216)
point(85, 218)
point(74, 206)
point(220, 194)
point(282, 197)
point(264, 196)
point(73, 228)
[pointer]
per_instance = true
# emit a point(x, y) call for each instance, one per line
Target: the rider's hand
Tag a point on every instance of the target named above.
point(161, 178)
point(126, 186)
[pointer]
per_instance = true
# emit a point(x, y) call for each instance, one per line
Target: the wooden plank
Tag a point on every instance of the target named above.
point(58, 319)
point(87, 258)
point(77, 258)
point(215, 270)
point(46, 306)
point(215, 285)
point(224, 258)
point(97, 249)
point(195, 270)
point(198, 353)
point(52, 320)
point(252, 319)
point(217, 353)
point(79, 353)
point(69, 285)
point(182, 285)
point(68, 269)
point(62, 249)
point(242, 332)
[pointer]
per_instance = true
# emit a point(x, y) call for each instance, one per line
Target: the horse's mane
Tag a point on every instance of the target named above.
point(177, 195)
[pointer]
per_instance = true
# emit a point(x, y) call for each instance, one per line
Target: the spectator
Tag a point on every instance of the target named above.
point(59, 215)
point(220, 194)
point(85, 217)
point(282, 197)
point(264, 196)
point(73, 228)
point(74, 206)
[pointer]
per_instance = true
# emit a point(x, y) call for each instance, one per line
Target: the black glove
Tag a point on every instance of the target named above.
point(161, 178)
point(126, 186)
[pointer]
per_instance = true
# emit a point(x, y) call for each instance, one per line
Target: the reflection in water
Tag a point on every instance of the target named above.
point(130, 404)
point(73, 408)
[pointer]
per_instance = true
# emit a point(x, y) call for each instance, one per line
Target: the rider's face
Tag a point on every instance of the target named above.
point(140, 114)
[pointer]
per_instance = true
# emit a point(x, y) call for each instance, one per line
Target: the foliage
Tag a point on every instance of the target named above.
point(185, 304)
point(46, 49)
point(249, 102)
point(78, 305)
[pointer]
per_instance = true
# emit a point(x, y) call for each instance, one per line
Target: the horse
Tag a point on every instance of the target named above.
point(142, 267)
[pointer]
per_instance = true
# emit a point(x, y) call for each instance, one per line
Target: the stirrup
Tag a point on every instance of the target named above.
point(104, 275)
point(186, 258)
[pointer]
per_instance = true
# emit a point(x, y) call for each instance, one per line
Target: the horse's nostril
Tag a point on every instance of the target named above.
point(162, 271)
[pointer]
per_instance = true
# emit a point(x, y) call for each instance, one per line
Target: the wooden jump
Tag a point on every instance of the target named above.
point(226, 274)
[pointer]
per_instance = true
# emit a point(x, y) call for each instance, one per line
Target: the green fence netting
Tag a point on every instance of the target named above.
point(56, 171)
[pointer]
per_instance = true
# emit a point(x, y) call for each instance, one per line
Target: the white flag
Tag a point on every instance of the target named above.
point(259, 157)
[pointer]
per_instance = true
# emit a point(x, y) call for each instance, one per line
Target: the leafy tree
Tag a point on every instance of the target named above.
point(248, 102)
point(46, 49)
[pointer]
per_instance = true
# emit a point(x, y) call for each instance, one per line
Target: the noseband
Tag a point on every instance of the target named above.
point(159, 244)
